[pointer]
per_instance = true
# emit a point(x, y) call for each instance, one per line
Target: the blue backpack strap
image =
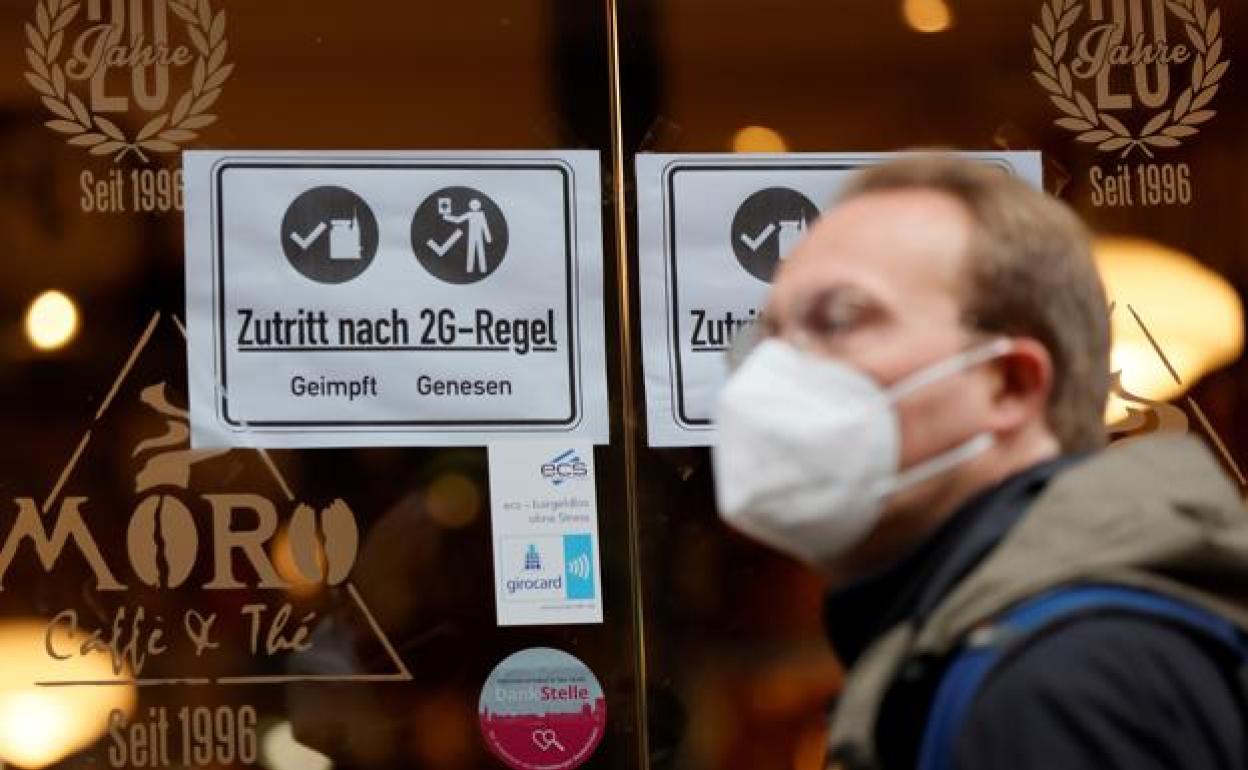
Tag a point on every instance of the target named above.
point(984, 648)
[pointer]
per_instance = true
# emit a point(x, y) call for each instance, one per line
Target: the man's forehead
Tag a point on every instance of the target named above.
point(894, 241)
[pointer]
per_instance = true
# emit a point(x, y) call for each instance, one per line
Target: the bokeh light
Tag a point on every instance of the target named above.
point(452, 500)
point(51, 320)
point(41, 725)
point(1193, 315)
point(927, 16)
point(758, 139)
point(280, 751)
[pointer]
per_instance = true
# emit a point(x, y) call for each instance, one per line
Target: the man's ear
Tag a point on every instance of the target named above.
point(1023, 386)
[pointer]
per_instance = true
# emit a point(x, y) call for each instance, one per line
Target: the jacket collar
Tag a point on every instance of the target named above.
point(909, 589)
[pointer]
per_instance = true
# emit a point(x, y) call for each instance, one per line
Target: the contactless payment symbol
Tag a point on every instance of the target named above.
point(578, 566)
point(329, 234)
point(459, 235)
point(542, 709)
point(766, 227)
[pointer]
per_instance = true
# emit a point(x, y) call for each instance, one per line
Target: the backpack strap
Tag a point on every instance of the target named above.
point(985, 646)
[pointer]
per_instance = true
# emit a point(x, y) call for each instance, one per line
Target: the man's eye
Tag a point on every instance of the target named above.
point(836, 320)
point(834, 331)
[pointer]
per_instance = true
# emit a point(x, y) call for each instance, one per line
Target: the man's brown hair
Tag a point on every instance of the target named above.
point(1030, 273)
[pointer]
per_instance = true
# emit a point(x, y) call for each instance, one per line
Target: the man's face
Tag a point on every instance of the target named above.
point(878, 283)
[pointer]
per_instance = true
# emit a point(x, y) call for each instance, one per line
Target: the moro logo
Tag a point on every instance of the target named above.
point(163, 541)
point(564, 467)
point(1095, 58)
point(92, 58)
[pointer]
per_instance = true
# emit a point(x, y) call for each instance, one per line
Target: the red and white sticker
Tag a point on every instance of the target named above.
point(542, 709)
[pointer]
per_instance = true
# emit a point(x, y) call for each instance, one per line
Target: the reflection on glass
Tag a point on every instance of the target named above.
point(927, 16)
point(758, 139)
point(42, 725)
point(1193, 315)
point(280, 751)
point(51, 320)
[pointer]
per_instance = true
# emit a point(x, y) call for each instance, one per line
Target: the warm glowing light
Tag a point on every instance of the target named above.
point(443, 731)
point(287, 568)
point(452, 500)
point(927, 16)
point(1193, 314)
point(28, 724)
point(51, 320)
point(758, 139)
point(280, 751)
point(42, 725)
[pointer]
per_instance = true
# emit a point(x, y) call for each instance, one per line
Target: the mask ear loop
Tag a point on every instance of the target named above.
point(949, 367)
point(948, 460)
point(975, 445)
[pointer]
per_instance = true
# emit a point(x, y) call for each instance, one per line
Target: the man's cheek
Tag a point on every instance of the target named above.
point(939, 417)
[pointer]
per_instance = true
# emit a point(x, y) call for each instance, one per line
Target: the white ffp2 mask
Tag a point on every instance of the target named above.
point(809, 448)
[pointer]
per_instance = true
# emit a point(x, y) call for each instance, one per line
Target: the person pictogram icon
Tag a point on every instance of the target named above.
point(478, 233)
point(460, 235)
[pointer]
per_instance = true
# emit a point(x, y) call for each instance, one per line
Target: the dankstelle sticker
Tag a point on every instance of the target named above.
point(542, 709)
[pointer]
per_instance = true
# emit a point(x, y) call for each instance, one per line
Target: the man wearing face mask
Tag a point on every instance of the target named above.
point(920, 417)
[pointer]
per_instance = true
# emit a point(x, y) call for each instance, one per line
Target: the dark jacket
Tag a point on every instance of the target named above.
point(1105, 691)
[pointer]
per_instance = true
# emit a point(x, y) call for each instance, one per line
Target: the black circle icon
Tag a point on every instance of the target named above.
point(459, 235)
point(766, 226)
point(329, 234)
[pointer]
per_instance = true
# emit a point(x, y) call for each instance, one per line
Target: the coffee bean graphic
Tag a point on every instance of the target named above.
point(342, 541)
point(162, 526)
point(305, 546)
point(323, 547)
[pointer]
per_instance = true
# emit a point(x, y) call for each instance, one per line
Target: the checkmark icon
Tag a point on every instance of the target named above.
point(306, 240)
point(755, 242)
point(441, 248)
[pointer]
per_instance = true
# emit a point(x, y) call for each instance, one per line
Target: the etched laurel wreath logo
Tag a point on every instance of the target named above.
point(122, 45)
point(1127, 40)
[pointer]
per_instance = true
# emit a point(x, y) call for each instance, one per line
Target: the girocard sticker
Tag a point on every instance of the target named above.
point(713, 228)
point(542, 709)
point(544, 518)
point(401, 298)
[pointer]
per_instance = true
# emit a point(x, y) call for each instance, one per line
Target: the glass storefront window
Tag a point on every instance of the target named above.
point(375, 649)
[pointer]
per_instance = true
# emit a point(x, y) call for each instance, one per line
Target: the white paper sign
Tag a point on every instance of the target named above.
point(712, 228)
point(544, 516)
point(402, 298)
